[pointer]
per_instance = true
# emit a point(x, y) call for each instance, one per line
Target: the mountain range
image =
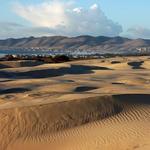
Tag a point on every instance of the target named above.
point(100, 43)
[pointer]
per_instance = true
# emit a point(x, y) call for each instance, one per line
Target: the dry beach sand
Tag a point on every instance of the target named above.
point(99, 104)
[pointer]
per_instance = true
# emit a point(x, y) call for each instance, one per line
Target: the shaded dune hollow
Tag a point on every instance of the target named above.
point(35, 122)
point(14, 90)
point(84, 88)
point(136, 64)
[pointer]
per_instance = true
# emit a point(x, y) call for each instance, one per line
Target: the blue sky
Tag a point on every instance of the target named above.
point(128, 12)
point(110, 17)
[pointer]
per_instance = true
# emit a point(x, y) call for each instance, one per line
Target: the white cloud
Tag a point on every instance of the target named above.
point(14, 30)
point(78, 9)
point(139, 32)
point(94, 7)
point(46, 14)
point(64, 18)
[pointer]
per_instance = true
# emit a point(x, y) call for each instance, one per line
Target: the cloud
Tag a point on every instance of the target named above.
point(64, 18)
point(94, 7)
point(139, 32)
point(14, 30)
point(78, 9)
point(46, 14)
point(8, 29)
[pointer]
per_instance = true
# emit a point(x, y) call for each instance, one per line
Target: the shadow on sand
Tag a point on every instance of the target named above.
point(14, 90)
point(3, 66)
point(136, 65)
point(84, 88)
point(45, 73)
point(133, 98)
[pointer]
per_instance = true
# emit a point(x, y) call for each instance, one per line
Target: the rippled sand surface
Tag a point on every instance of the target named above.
point(80, 105)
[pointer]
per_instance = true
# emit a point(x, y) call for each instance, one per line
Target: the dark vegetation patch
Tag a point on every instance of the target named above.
point(67, 81)
point(5, 81)
point(46, 59)
point(117, 83)
point(115, 62)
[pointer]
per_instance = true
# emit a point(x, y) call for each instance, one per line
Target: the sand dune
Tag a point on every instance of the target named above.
point(35, 121)
point(123, 123)
point(22, 63)
point(80, 105)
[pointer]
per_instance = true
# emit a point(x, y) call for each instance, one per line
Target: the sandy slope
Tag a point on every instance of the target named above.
point(81, 105)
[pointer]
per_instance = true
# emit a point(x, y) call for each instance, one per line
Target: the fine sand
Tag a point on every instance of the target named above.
point(99, 104)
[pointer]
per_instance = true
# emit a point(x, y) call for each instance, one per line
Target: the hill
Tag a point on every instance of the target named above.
point(100, 43)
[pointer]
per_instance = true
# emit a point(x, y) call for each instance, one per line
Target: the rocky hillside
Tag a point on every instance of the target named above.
point(101, 43)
